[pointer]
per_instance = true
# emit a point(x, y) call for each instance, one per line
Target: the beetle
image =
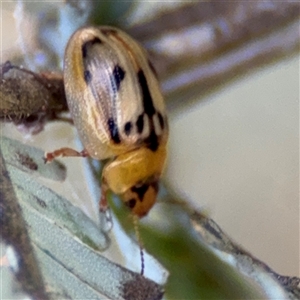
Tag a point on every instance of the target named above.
point(116, 104)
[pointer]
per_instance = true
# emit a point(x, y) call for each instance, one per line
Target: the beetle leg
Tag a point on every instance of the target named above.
point(106, 223)
point(103, 205)
point(64, 152)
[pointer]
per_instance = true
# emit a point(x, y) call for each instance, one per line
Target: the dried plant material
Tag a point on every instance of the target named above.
point(200, 31)
point(211, 234)
point(30, 99)
point(202, 46)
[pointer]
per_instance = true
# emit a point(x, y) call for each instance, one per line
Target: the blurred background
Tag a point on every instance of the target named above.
point(237, 156)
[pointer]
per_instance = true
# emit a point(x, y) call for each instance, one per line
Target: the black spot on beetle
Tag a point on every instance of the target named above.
point(161, 120)
point(127, 128)
point(87, 76)
point(113, 129)
point(117, 76)
point(140, 190)
point(147, 99)
point(152, 141)
point(140, 123)
point(131, 203)
point(87, 44)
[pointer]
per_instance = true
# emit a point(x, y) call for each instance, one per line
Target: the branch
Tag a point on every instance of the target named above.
point(30, 99)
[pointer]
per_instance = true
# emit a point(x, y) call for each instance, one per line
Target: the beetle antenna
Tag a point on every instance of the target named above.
point(140, 242)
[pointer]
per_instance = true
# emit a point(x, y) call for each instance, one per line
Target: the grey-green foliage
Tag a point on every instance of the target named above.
point(65, 241)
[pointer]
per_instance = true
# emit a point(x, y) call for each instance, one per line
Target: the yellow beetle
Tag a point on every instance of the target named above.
point(118, 109)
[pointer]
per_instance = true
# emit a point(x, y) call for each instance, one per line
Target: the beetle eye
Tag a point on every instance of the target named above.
point(131, 203)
